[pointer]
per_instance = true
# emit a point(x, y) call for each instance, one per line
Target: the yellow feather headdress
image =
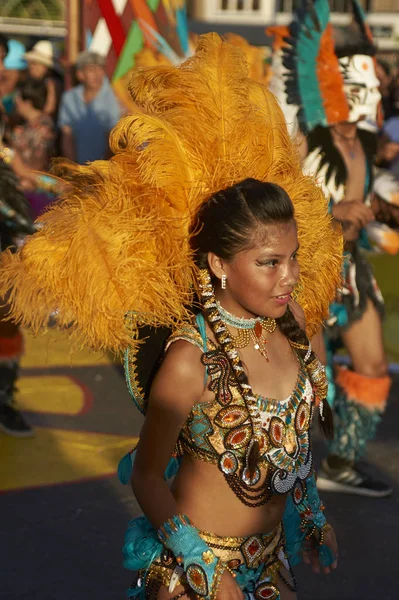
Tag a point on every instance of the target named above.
point(118, 240)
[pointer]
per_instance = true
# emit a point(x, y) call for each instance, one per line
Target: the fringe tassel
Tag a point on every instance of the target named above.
point(371, 392)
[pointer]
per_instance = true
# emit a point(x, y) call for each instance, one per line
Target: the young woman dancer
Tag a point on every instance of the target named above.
point(204, 205)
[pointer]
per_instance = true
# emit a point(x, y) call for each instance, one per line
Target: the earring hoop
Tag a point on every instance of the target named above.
point(223, 282)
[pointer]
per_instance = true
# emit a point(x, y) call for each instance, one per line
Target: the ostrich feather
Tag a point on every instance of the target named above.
point(119, 238)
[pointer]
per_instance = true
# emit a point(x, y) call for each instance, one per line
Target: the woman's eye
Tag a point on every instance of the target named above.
point(268, 263)
point(295, 256)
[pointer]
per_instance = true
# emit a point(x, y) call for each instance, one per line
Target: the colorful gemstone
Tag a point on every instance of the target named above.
point(238, 438)
point(302, 417)
point(277, 431)
point(267, 591)
point(228, 463)
point(258, 329)
point(298, 492)
point(197, 580)
point(252, 550)
point(230, 417)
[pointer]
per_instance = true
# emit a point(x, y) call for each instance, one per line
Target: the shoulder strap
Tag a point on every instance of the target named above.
point(193, 335)
point(188, 333)
point(199, 318)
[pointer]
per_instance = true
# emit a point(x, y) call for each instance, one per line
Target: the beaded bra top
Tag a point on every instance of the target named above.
point(219, 431)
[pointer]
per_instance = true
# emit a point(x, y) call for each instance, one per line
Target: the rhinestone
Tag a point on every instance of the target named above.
point(228, 463)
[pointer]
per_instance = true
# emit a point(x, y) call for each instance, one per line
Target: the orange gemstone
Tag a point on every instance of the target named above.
point(258, 329)
point(197, 578)
point(228, 463)
point(238, 437)
point(231, 417)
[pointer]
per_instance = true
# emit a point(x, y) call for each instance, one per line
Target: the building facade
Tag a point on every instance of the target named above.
point(250, 17)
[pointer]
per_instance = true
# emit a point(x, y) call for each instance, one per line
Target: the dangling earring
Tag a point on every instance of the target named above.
point(223, 282)
point(296, 291)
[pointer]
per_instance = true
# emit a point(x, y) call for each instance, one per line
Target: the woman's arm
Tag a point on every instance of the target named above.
point(51, 101)
point(178, 385)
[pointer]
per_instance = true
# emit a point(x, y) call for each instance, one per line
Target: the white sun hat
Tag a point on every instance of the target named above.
point(42, 53)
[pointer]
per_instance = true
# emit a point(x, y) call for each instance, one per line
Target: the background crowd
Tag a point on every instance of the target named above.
point(41, 120)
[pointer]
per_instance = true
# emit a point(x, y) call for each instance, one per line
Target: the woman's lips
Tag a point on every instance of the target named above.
point(282, 299)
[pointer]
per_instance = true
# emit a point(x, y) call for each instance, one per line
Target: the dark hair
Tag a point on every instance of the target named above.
point(4, 43)
point(384, 66)
point(226, 225)
point(35, 91)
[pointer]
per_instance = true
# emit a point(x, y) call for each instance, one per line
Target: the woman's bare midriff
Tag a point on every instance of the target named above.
point(202, 493)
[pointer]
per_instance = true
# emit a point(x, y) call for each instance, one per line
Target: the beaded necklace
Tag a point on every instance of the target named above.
point(249, 329)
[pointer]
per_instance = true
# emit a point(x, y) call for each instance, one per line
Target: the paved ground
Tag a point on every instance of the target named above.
point(63, 512)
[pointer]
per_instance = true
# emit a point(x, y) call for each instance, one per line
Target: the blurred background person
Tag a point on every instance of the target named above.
point(15, 223)
point(388, 152)
point(384, 75)
point(32, 137)
point(43, 67)
point(3, 52)
point(12, 75)
point(88, 112)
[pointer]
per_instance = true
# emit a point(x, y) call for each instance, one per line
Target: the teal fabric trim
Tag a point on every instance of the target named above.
point(199, 319)
point(178, 535)
point(307, 511)
point(200, 427)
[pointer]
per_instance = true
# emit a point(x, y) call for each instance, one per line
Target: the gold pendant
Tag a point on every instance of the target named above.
point(269, 324)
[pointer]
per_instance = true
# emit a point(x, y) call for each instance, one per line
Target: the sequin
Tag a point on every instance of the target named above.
point(208, 557)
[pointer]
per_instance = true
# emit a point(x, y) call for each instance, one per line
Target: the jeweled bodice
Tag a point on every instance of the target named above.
point(220, 432)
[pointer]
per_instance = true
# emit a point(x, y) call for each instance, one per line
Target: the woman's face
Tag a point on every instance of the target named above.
point(37, 70)
point(261, 279)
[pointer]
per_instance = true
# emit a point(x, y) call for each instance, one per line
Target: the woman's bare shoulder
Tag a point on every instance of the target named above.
point(180, 379)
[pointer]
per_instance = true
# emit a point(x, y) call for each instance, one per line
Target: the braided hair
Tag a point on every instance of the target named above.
point(225, 226)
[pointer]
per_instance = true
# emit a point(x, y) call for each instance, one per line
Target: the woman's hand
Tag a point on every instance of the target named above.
point(229, 589)
point(352, 212)
point(311, 552)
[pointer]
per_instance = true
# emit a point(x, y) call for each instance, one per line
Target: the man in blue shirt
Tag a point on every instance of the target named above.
point(88, 112)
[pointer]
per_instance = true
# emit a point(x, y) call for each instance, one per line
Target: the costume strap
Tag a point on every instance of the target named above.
point(188, 333)
point(202, 568)
point(194, 335)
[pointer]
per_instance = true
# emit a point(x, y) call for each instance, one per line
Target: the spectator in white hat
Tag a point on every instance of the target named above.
point(43, 67)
